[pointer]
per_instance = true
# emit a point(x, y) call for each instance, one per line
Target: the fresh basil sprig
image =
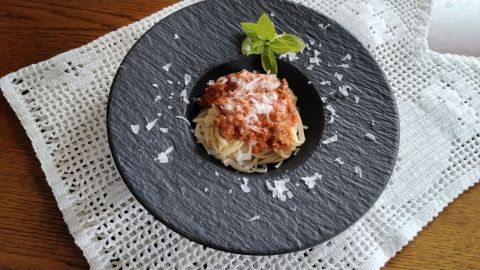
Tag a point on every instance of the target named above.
point(263, 39)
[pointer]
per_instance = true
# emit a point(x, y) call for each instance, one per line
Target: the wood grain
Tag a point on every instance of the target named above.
point(33, 234)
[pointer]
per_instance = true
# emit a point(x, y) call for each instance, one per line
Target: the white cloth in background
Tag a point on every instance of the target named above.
point(62, 105)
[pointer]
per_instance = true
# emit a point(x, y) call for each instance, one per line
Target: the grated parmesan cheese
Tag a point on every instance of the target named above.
point(332, 139)
point(338, 76)
point(344, 65)
point(244, 186)
point(150, 125)
point(324, 27)
point(256, 217)
point(357, 99)
point(315, 59)
point(370, 137)
point(176, 36)
point(169, 82)
point(358, 171)
point(167, 67)
point(339, 161)
point(187, 79)
point(325, 83)
point(347, 57)
point(155, 85)
point(290, 56)
point(279, 188)
point(310, 181)
point(164, 130)
point(135, 129)
point(332, 113)
point(162, 157)
point(345, 90)
point(183, 94)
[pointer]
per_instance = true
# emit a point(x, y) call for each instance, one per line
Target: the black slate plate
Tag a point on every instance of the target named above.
point(200, 199)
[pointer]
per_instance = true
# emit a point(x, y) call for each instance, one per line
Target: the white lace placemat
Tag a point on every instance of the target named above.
point(62, 105)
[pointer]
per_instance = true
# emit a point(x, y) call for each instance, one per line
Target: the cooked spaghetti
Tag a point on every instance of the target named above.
point(249, 120)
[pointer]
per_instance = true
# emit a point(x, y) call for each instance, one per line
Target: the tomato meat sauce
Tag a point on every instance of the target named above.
point(256, 108)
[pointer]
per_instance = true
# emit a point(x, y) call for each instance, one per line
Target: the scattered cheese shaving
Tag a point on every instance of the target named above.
point(332, 139)
point(155, 85)
point(324, 27)
point(176, 36)
point(256, 217)
point(344, 65)
point(206, 189)
point(216, 173)
point(279, 188)
point(310, 67)
point(230, 191)
point(332, 113)
point(162, 157)
point(164, 130)
point(358, 171)
point(315, 59)
point(183, 94)
point(338, 76)
point(339, 161)
point(310, 181)
point(357, 99)
point(167, 67)
point(347, 57)
point(135, 129)
point(187, 79)
point(345, 90)
point(244, 186)
point(325, 83)
point(291, 56)
point(169, 82)
point(370, 137)
point(169, 107)
point(309, 82)
point(157, 98)
point(150, 125)
point(373, 123)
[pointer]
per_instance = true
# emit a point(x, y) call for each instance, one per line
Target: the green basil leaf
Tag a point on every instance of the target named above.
point(247, 46)
point(250, 29)
point(269, 62)
point(257, 46)
point(252, 47)
point(265, 28)
point(287, 43)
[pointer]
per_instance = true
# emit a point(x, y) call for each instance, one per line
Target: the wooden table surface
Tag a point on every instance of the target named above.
point(32, 232)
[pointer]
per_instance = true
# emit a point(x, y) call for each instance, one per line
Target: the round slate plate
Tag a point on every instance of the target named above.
point(201, 199)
